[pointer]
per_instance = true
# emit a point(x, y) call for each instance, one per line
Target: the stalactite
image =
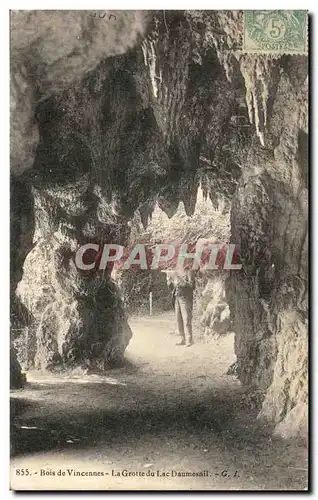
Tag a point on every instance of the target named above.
point(223, 30)
point(260, 74)
point(150, 60)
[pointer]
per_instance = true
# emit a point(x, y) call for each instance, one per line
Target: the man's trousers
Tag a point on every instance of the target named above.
point(183, 308)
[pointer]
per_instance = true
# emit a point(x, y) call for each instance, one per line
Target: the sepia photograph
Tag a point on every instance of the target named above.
point(159, 336)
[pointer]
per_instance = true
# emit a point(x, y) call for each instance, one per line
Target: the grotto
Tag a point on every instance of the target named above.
point(137, 110)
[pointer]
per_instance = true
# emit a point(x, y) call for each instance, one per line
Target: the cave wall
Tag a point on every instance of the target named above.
point(21, 236)
point(272, 330)
point(99, 159)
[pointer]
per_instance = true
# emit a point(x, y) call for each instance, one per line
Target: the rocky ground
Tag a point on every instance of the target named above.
point(169, 409)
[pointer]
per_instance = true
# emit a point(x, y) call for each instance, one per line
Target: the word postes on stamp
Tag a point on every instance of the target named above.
point(275, 31)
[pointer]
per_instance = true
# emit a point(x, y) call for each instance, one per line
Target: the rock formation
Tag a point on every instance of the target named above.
point(52, 51)
point(110, 117)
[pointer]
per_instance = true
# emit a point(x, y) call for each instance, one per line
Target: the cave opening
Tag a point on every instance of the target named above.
point(172, 137)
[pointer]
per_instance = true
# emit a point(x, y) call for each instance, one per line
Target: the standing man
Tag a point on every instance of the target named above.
point(182, 284)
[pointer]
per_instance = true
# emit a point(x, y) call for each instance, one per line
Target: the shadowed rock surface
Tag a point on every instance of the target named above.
point(101, 129)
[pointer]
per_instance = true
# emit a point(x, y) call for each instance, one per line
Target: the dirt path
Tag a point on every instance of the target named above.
point(171, 410)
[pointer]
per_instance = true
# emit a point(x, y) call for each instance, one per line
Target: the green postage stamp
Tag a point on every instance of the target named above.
point(275, 31)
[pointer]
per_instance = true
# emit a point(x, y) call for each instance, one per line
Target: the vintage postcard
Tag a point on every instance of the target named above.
point(159, 250)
